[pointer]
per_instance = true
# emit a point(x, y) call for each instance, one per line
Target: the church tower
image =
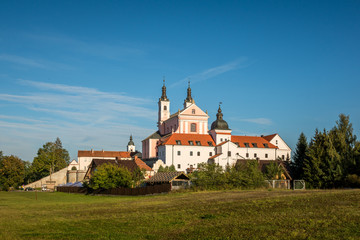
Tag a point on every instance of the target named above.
point(164, 107)
point(131, 145)
point(189, 100)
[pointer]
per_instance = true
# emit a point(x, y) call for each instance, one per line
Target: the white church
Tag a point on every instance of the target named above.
point(183, 139)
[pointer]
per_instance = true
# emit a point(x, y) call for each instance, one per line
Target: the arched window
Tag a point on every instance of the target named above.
point(193, 127)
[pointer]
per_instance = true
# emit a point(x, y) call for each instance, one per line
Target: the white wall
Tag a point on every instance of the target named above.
point(185, 160)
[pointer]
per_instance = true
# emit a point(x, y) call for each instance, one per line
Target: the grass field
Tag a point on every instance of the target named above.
point(331, 214)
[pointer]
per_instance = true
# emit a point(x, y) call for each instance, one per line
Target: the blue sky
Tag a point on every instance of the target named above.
point(90, 72)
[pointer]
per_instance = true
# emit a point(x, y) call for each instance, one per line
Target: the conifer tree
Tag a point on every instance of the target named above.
point(312, 171)
point(299, 157)
point(344, 142)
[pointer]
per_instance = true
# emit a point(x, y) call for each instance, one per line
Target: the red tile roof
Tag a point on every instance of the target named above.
point(222, 143)
point(269, 137)
point(185, 138)
point(215, 156)
point(106, 154)
point(260, 141)
point(141, 164)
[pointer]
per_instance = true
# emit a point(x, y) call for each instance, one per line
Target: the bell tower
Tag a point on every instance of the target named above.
point(189, 100)
point(164, 107)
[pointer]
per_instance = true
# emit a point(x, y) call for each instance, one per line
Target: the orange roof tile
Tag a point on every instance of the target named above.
point(222, 143)
point(260, 141)
point(141, 164)
point(215, 156)
point(91, 153)
point(185, 138)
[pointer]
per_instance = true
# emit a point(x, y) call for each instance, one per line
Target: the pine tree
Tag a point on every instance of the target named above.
point(299, 157)
point(344, 142)
point(312, 171)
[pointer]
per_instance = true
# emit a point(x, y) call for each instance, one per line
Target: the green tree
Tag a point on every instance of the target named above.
point(167, 169)
point(344, 142)
point(50, 158)
point(299, 157)
point(273, 171)
point(110, 176)
point(11, 172)
point(209, 176)
point(312, 171)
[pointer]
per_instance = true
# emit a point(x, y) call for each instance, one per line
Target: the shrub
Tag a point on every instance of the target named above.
point(110, 176)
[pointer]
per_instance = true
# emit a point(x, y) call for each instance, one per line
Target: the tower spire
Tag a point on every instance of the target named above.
point(188, 99)
point(163, 95)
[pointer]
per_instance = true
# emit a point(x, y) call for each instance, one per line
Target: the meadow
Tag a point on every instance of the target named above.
point(258, 214)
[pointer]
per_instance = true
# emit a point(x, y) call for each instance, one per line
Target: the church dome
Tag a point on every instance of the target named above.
point(219, 123)
point(131, 141)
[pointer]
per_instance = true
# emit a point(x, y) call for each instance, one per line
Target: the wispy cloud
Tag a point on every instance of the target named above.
point(21, 60)
point(89, 48)
point(82, 117)
point(261, 121)
point(34, 63)
point(213, 72)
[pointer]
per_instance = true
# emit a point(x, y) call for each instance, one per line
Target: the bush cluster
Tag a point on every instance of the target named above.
point(213, 176)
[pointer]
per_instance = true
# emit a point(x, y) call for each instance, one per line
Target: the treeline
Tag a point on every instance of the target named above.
point(15, 172)
point(331, 159)
point(244, 175)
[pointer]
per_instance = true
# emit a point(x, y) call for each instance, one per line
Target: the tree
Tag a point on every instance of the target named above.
point(209, 176)
point(344, 142)
point(312, 172)
point(167, 169)
point(50, 158)
point(109, 176)
point(299, 157)
point(273, 171)
point(11, 172)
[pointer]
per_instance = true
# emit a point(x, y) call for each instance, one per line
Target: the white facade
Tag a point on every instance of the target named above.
point(178, 135)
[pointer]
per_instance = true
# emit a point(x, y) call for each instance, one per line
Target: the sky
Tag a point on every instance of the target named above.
point(91, 72)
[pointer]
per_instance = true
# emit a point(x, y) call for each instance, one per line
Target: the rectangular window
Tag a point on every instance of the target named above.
point(210, 144)
point(247, 155)
point(198, 143)
point(237, 144)
point(178, 142)
point(179, 153)
point(283, 157)
point(210, 154)
point(254, 144)
point(229, 153)
point(246, 144)
point(191, 142)
point(255, 155)
point(266, 155)
point(221, 139)
point(193, 111)
point(198, 153)
point(193, 127)
point(266, 145)
point(191, 153)
point(179, 166)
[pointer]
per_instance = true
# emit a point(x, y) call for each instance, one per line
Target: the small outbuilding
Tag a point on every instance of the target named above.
point(178, 180)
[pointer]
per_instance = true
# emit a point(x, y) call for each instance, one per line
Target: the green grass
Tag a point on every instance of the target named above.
point(262, 214)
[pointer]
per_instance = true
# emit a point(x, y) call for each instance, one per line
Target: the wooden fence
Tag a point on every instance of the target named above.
point(119, 191)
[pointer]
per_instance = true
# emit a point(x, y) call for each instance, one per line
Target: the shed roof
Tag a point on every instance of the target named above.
point(167, 177)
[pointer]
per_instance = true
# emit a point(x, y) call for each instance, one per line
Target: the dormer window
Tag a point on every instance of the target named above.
point(266, 145)
point(210, 144)
point(254, 145)
point(247, 145)
point(198, 143)
point(178, 142)
point(191, 143)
